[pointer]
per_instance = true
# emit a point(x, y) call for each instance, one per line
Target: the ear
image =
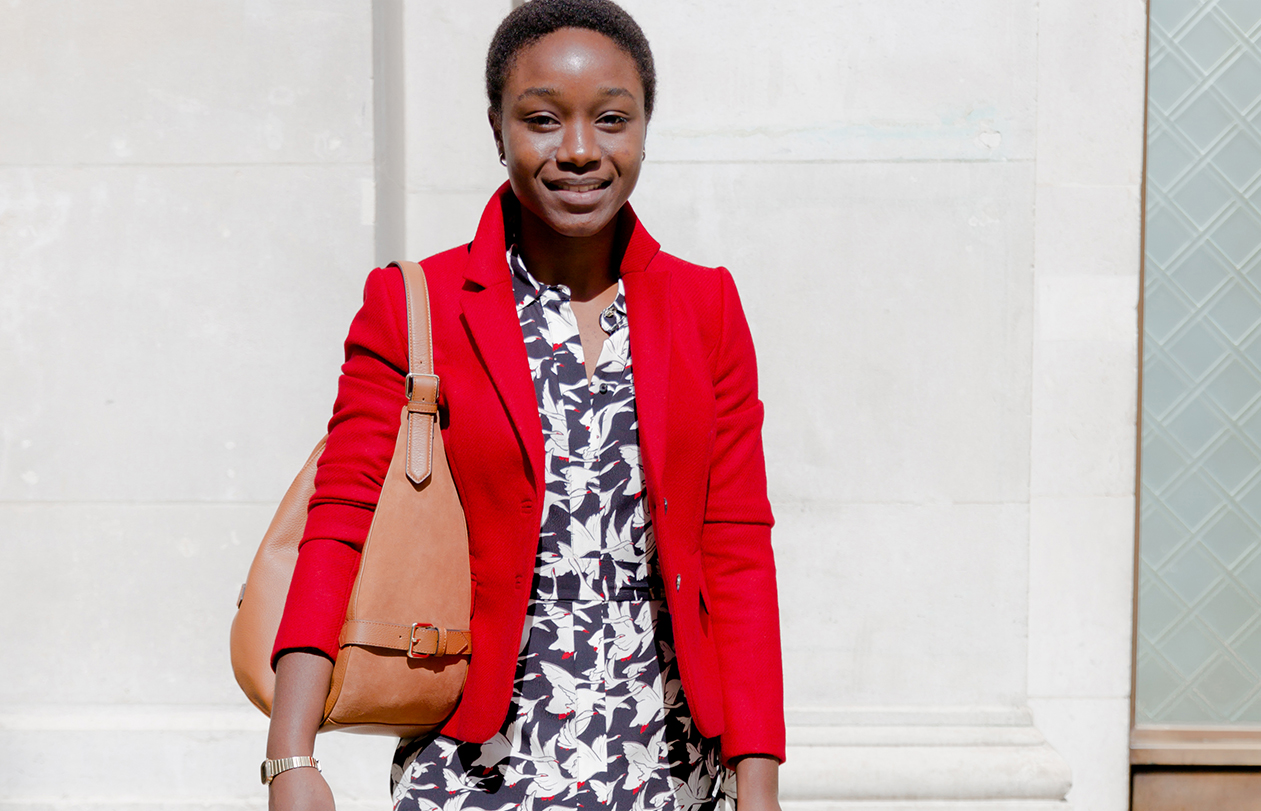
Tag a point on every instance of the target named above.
point(496, 127)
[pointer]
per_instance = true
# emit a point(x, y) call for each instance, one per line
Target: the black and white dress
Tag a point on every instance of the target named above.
point(598, 717)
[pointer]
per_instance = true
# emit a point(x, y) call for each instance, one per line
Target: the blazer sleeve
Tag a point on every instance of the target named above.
point(351, 471)
point(738, 562)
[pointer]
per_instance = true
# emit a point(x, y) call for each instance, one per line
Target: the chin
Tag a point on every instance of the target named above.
point(577, 226)
point(580, 230)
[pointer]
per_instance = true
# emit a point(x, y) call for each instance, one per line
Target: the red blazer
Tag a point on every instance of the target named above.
point(700, 432)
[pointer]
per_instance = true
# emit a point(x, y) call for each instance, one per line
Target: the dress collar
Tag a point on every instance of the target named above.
point(527, 290)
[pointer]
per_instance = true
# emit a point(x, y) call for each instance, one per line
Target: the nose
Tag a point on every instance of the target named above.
point(578, 148)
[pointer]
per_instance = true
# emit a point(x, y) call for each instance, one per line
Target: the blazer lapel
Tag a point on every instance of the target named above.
point(648, 311)
point(491, 314)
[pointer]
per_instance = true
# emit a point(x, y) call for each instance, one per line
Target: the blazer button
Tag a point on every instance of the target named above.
point(665, 505)
point(678, 582)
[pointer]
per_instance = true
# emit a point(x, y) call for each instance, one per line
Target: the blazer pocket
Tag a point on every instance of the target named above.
point(703, 606)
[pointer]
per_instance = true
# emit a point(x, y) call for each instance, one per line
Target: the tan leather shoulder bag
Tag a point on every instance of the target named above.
point(404, 646)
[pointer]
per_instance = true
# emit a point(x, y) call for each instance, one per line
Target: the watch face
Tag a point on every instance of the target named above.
point(264, 772)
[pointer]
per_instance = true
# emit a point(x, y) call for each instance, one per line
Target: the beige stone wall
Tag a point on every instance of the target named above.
point(932, 211)
point(186, 216)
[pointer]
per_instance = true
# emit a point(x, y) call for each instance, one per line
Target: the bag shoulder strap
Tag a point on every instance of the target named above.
point(421, 382)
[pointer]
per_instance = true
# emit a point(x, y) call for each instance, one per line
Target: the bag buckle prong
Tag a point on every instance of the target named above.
point(440, 643)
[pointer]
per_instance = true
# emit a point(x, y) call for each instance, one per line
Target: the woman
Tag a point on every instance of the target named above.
point(601, 421)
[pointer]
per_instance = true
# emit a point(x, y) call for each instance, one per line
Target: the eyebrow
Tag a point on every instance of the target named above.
point(538, 91)
point(549, 92)
point(617, 91)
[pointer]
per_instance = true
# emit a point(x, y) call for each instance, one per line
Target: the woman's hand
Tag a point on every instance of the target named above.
point(757, 783)
point(302, 681)
point(302, 789)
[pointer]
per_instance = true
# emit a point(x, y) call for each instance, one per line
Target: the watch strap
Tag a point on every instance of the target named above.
point(271, 768)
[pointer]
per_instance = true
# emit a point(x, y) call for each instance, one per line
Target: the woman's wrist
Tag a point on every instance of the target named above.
point(302, 681)
point(285, 748)
point(757, 780)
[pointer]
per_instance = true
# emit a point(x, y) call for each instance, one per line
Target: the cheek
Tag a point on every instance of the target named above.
point(531, 146)
point(628, 151)
point(629, 160)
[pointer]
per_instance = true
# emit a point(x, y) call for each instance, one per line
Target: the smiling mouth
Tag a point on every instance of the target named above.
point(579, 186)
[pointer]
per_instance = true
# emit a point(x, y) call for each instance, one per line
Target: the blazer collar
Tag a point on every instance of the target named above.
point(490, 312)
point(488, 264)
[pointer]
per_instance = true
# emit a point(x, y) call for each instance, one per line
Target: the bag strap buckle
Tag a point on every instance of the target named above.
point(433, 643)
point(422, 392)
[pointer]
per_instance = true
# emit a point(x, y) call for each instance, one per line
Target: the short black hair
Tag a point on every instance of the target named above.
point(535, 19)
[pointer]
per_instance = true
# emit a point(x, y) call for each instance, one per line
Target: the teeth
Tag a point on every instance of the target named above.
point(580, 187)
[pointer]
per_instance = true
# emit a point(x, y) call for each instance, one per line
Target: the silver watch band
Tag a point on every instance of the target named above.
point(271, 768)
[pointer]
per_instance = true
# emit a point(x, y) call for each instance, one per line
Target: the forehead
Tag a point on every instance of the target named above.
point(573, 58)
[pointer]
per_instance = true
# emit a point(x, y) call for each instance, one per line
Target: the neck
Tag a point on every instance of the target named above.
point(586, 265)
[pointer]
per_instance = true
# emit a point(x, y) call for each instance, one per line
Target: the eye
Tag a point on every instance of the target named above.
point(540, 121)
point(613, 120)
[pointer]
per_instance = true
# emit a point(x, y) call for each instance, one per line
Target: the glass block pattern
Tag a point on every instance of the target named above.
point(1199, 614)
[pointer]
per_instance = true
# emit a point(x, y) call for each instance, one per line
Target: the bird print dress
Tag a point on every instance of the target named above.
point(598, 717)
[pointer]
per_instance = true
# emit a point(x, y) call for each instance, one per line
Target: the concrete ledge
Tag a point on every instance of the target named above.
point(152, 804)
point(120, 758)
point(895, 758)
point(924, 805)
point(116, 758)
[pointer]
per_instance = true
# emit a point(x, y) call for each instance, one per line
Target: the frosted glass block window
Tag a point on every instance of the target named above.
point(1199, 613)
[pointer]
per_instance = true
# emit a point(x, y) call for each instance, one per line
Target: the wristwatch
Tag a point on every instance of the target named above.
point(271, 768)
